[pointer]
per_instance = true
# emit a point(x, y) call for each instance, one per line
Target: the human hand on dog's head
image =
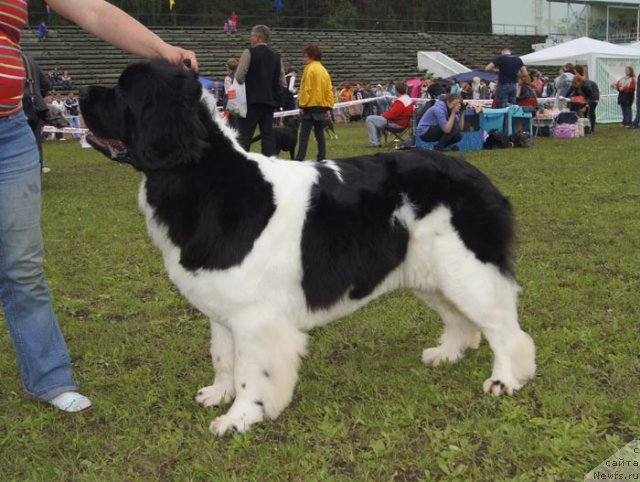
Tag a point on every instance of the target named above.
point(179, 56)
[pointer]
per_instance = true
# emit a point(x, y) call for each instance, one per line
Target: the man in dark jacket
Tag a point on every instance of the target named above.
point(36, 86)
point(260, 68)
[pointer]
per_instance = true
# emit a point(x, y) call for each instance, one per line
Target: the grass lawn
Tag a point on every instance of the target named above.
point(365, 407)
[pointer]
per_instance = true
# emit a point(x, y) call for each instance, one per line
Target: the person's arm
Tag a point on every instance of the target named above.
point(304, 92)
point(292, 84)
point(490, 67)
point(114, 26)
point(394, 112)
point(283, 80)
point(328, 94)
point(448, 127)
point(243, 66)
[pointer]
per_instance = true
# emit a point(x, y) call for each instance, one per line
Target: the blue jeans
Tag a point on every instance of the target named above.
point(507, 94)
point(43, 359)
point(375, 124)
point(74, 121)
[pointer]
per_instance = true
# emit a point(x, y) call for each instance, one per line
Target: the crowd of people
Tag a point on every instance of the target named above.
point(45, 106)
point(231, 25)
point(512, 83)
point(59, 79)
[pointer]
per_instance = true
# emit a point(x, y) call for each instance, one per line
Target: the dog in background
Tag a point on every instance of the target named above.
point(268, 249)
point(285, 136)
point(328, 127)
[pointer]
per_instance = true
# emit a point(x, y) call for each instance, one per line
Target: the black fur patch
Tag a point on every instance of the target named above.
point(214, 211)
point(214, 202)
point(351, 241)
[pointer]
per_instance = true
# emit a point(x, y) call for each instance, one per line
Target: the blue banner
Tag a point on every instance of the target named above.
point(279, 5)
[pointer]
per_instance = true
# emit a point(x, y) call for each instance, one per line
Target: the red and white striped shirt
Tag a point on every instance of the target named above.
point(13, 19)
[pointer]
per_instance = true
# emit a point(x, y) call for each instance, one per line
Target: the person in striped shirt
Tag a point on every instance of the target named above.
point(43, 358)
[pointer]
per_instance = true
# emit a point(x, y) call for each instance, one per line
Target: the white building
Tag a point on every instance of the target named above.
point(611, 20)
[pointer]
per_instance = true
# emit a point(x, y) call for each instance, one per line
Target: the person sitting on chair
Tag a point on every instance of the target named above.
point(443, 123)
point(398, 116)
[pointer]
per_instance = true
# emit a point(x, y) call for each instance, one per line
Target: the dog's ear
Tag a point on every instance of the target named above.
point(165, 128)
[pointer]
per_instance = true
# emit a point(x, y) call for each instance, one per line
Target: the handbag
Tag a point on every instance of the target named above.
point(237, 99)
point(564, 131)
point(32, 103)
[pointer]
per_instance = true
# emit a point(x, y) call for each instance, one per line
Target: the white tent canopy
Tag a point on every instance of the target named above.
point(583, 50)
point(605, 63)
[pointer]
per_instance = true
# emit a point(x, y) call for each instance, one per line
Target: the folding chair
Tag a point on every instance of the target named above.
point(397, 132)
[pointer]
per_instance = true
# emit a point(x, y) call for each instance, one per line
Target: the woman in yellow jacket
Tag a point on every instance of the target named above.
point(315, 101)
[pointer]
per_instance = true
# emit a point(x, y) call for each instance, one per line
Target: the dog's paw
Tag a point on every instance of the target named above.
point(224, 423)
point(233, 423)
point(497, 388)
point(432, 357)
point(214, 395)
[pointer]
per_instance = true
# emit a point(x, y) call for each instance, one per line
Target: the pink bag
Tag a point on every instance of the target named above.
point(565, 131)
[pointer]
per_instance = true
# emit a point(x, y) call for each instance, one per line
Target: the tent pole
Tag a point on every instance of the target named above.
point(587, 22)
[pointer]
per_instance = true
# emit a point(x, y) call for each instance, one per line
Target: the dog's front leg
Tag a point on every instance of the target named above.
point(222, 355)
point(267, 358)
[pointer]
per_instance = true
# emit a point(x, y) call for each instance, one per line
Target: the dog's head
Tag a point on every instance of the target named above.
point(153, 119)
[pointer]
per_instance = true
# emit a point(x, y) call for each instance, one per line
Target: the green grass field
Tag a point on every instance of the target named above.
point(365, 408)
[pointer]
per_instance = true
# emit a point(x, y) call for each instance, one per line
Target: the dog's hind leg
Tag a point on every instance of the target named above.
point(513, 349)
point(489, 299)
point(267, 358)
point(459, 332)
point(222, 355)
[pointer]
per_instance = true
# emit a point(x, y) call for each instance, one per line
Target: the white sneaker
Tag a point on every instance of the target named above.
point(71, 402)
point(45, 169)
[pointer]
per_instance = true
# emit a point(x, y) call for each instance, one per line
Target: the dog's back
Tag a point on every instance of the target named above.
point(375, 201)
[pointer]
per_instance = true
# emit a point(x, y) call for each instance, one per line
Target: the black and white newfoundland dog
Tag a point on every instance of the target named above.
point(268, 249)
